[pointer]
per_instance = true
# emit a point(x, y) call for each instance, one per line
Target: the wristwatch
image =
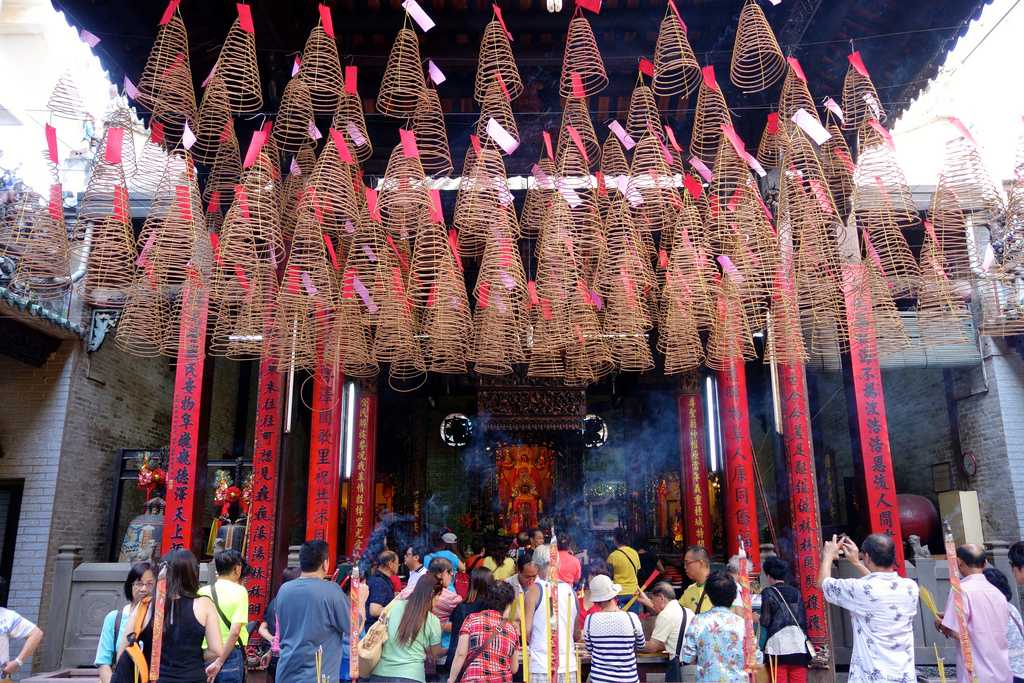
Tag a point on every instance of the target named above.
point(17, 660)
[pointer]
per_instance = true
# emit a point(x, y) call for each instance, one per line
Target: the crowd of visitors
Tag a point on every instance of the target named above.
point(499, 615)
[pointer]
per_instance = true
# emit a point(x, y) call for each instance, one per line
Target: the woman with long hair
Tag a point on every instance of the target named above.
point(496, 558)
point(480, 582)
point(413, 633)
point(188, 620)
point(137, 587)
point(488, 645)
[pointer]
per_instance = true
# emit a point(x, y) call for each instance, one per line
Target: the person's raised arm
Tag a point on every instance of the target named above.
point(853, 555)
point(829, 553)
point(460, 657)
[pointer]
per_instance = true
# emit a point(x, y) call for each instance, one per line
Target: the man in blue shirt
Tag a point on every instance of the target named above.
point(447, 547)
point(382, 591)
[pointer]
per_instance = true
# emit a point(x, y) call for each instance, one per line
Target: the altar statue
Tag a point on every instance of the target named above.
point(525, 509)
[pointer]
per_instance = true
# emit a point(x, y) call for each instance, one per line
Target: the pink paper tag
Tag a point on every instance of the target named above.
point(547, 144)
point(409, 149)
point(730, 268)
point(857, 62)
point(172, 7)
point(314, 132)
point(364, 294)
point(351, 79)
point(693, 186)
point(341, 146)
point(245, 18)
point(188, 138)
point(51, 143)
point(88, 38)
point(419, 16)
point(475, 142)
point(326, 21)
point(259, 138)
point(672, 140)
point(307, 282)
point(834, 107)
point(141, 261)
point(578, 141)
point(811, 126)
point(501, 20)
point(129, 89)
point(647, 67)
point(577, 85)
point(675, 11)
point(296, 65)
point(542, 179)
point(709, 76)
point(959, 125)
point(294, 168)
point(702, 169)
point(569, 194)
point(209, 76)
point(371, 204)
point(794, 64)
point(590, 5)
point(886, 135)
point(436, 74)
point(115, 138)
point(355, 134)
point(501, 136)
point(625, 138)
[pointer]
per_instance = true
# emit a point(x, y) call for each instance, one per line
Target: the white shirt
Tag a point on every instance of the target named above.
point(12, 625)
point(883, 606)
point(415, 575)
point(566, 622)
point(666, 626)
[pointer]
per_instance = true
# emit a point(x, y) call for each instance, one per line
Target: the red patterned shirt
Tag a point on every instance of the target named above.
point(493, 665)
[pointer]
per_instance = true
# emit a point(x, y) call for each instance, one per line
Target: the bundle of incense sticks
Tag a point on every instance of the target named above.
point(647, 584)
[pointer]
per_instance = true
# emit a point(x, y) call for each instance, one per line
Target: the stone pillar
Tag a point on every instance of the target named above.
point(49, 653)
point(738, 453)
point(693, 481)
point(362, 484)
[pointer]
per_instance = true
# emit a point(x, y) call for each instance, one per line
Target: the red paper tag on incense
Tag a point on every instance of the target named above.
point(545, 309)
point(483, 295)
point(184, 201)
point(51, 143)
point(675, 11)
point(709, 76)
point(886, 135)
point(115, 138)
point(453, 244)
point(121, 203)
point(242, 198)
point(351, 79)
point(647, 67)
point(341, 146)
point(577, 85)
point(773, 123)
point(347, 287)
point(214, 205)
point(56, 205)
point(240, 276)
point(259, 138)
point(436, 212)
point(214, 246)
point(330, 250)
point(402, 260)
point(531, 290)
point(602, 187)
point(857, 62)
point(590, 5)
point(172, 7)
point(245, 18)
point(156, 134)
point(501, 20)
point(326, 21)
point(504, 88)
point(578, 141)
point(845, 158)
point(409, 149)
point(475, 141)
point(672, 140)
point(371, 203)
point(794, 63)
point(292, 278)
point(547, 145)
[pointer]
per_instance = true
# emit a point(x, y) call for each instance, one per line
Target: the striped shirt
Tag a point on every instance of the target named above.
point(612, 638)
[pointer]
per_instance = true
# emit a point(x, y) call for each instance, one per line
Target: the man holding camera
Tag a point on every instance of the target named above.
point(232, 601)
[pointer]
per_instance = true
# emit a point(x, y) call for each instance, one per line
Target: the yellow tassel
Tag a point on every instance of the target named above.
point(547, 621)
point(521, 606)
point(940, 663)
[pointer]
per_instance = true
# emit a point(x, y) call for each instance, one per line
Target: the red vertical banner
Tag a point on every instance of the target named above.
point(803, 499)
point(738, 454)
point(263, 509)
point(696, 507)
point(185, 413)
point(872, 423)
point(361, 512)
point(323, 496)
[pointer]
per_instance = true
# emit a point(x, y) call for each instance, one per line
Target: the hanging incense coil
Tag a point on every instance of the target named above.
point(350, 120)
point(43, 268)
point(837, 164)
point(174, 103)
point(860, 99)
point(613, 158)
point(582, 57)
point(111, 268)
point(353, 340)
point(942, 315)
point(431, 137)
point(865, 280)
point(686, 296)
point(404, 194)
point(577, 115)
point(321, 71)
point(395, 341)
point(484, 204)
point(711, 114)
point(365, 267)
point(731, 182)
point(332, 193)
point(496, 59)
point(291, 128)
point(643, 114)
point(430, 255)
point(676, 70)
point(105, 181)
point(769, 152)
point(556, 282)
point(499, 339)
point(757, 61)
point(730, 338)
point(215, 124)
point(587, 359)
point(125, 119)
point(577, 212)
point(1002, 312)
point(437, 288)
point(784, 340)
point(965, 176)
point(150, 163)
point(224, 175)
point(403, 81)
point(795, 95)
point(949, 222)
point(496, 105)
point(651, 187)
point(169, 48)
point(243, 323)
point(65, 101)
point(238, 68)
point(144, 326)
point(539, 196)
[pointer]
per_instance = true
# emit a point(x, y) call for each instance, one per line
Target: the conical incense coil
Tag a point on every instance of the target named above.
point(125, 119)
point(587, 359)
point(1002, 312)
point(949, 221)
point(784, 339)
point(291, 128)
point(676, 70)
point(243, 325)
point(448, 325)
point(613, 158)
point(795, 94)
point(43, 268)
point(215, 124)
point(169, 48)
point(497, 106)
point(365, 267)
point(837, 164)
point(352, 336)
point(144, 326)
point(577, 115)
point(395, 341)
point(711, 114)
point(643, 114)
point(174, 104)
point(577, 211)
point(965, 175)
point(731, 181)
point(860, 99)
point(431, 136)
point(65, 101)
point(150, 163)
point(582, 57)
point(757, 61)
point(238, 67)
point(350, 120)
point(430, 255)
point(651, 188)
point(404, 194)
point(942, 315)
point(321, 70)
point(484, 204)
point(819, 291)
point(112, 257)
point(105, 181)
point(403, 82)
point(223, 177)
point(769, 152)
point(890, 333)
point(539, 196)
point(496, 59)
point(805, 189)
point(332, 193)
point(500, 295)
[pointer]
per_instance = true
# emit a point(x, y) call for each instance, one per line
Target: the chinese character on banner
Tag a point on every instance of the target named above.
point(872, 423)
point(694, 468)
point(738, 453)
point(361, 513)
point(323, 502)
point(186, 406)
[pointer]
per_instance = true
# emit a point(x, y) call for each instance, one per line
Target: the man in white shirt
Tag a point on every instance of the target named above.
point(883, 606)
point(13, 625)
point(537, 593)
point(414, 563)
point(669, 625)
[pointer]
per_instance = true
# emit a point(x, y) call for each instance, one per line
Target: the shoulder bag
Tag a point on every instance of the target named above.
point(789, 640)
point(372, 644)
point(477, 651)
point(675, 666)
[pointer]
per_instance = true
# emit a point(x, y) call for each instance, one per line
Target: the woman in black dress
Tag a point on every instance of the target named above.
point(188, 620)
